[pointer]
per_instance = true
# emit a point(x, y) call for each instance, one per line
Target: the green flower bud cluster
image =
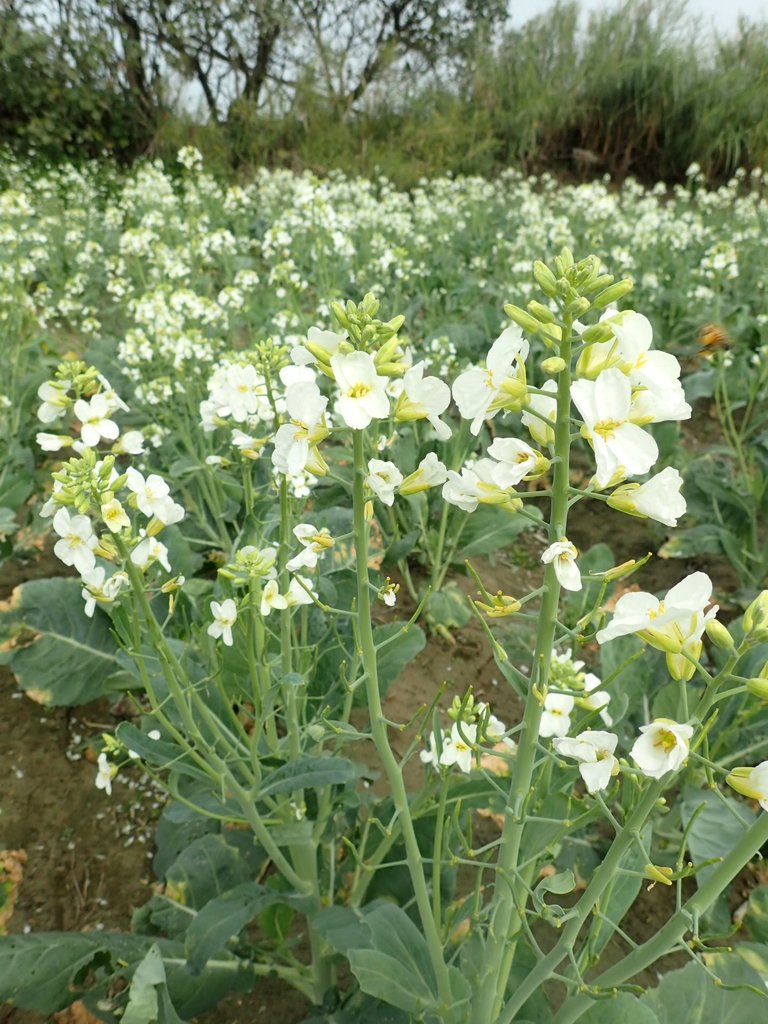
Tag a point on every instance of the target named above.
point(576, 287)
point(369, 334)
point(250, 563)
point(87, 482)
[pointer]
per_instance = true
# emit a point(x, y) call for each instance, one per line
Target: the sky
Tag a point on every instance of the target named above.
point(721, 15)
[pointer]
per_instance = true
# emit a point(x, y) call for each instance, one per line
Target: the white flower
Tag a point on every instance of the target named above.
point(665, 624)
point(243, 392)
point(495, 730)
point(664, 406)
point(480, 393)
point(363, 391)
point(324, 343)
point(556, 716)
point(658, 498)
point(131, 443)
point(114, 515)
point(429, 473)
point(516, 459)
point(272, 598)
point(77, 540)
point(53, 442)
point(94, 416)
point(462, 490)
point(662, 747)
point(383, 478)
point(431, 755)
point(389, 597)
point(153, 497)
point(306, 409)
point(105, 774)
point(563, 554)
point(751, 783)
point(298, 594)
point(540, 431)
point(595, 753)
point(457, 748)
point(424, 398)
point(55, 396)
point(99, 589)
point(148, 550)
point(596, 700)
point(224, 618)
point(620, 446)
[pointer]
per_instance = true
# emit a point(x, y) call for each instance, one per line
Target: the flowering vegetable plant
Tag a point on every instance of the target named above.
point(264, 695)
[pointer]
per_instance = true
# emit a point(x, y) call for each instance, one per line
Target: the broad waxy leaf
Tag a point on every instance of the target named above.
point(47, 971)
point(148, 1001)
point(70, 657)
point(691, 995)
point(308, 773)
point(715, 831)
point(223, 918)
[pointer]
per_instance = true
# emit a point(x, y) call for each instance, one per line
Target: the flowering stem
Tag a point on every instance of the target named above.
point(674, 930)
point(600, 880)
point(504, 918)
point(379, 731)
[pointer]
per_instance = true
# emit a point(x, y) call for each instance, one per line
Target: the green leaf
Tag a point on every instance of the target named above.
point(158, 752)
point(70, 657)
point(8, 524)
point(403, 546)
point(489, 529)
point(559, 884)
point(361, 1009)
point(449, 606)
point(715, 830)
point(692, 996)
point(148, 1001)
point(404, 644)
point(309, 773)
point(756, 919)
point(223, 918)
point(621, 1007)
point(697, 540)
point(47, 971)
point(397, 967)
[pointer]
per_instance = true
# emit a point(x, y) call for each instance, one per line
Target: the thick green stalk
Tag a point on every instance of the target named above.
point(379, 732)
point(674, 930)
point(304, 853)
point(597, 886)
point(510, 890)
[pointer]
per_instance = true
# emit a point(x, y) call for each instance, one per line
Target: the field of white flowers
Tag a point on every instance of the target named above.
point(312, 446)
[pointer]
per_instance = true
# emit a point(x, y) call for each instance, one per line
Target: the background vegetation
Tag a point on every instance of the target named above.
point(406, 88)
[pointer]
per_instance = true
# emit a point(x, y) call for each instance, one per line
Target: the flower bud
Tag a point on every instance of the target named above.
point(553, 365)
point(522, 318)
point(387, 351)
point(545, 279)
point(563, 262)
point(601, 282)
point(578, 307)
point(758, 687)
point(719, 635)
point(658, 874)
point(601, 333)
point(613, 293)
point(340, 315)
point(756, 620)
point(541, 312)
